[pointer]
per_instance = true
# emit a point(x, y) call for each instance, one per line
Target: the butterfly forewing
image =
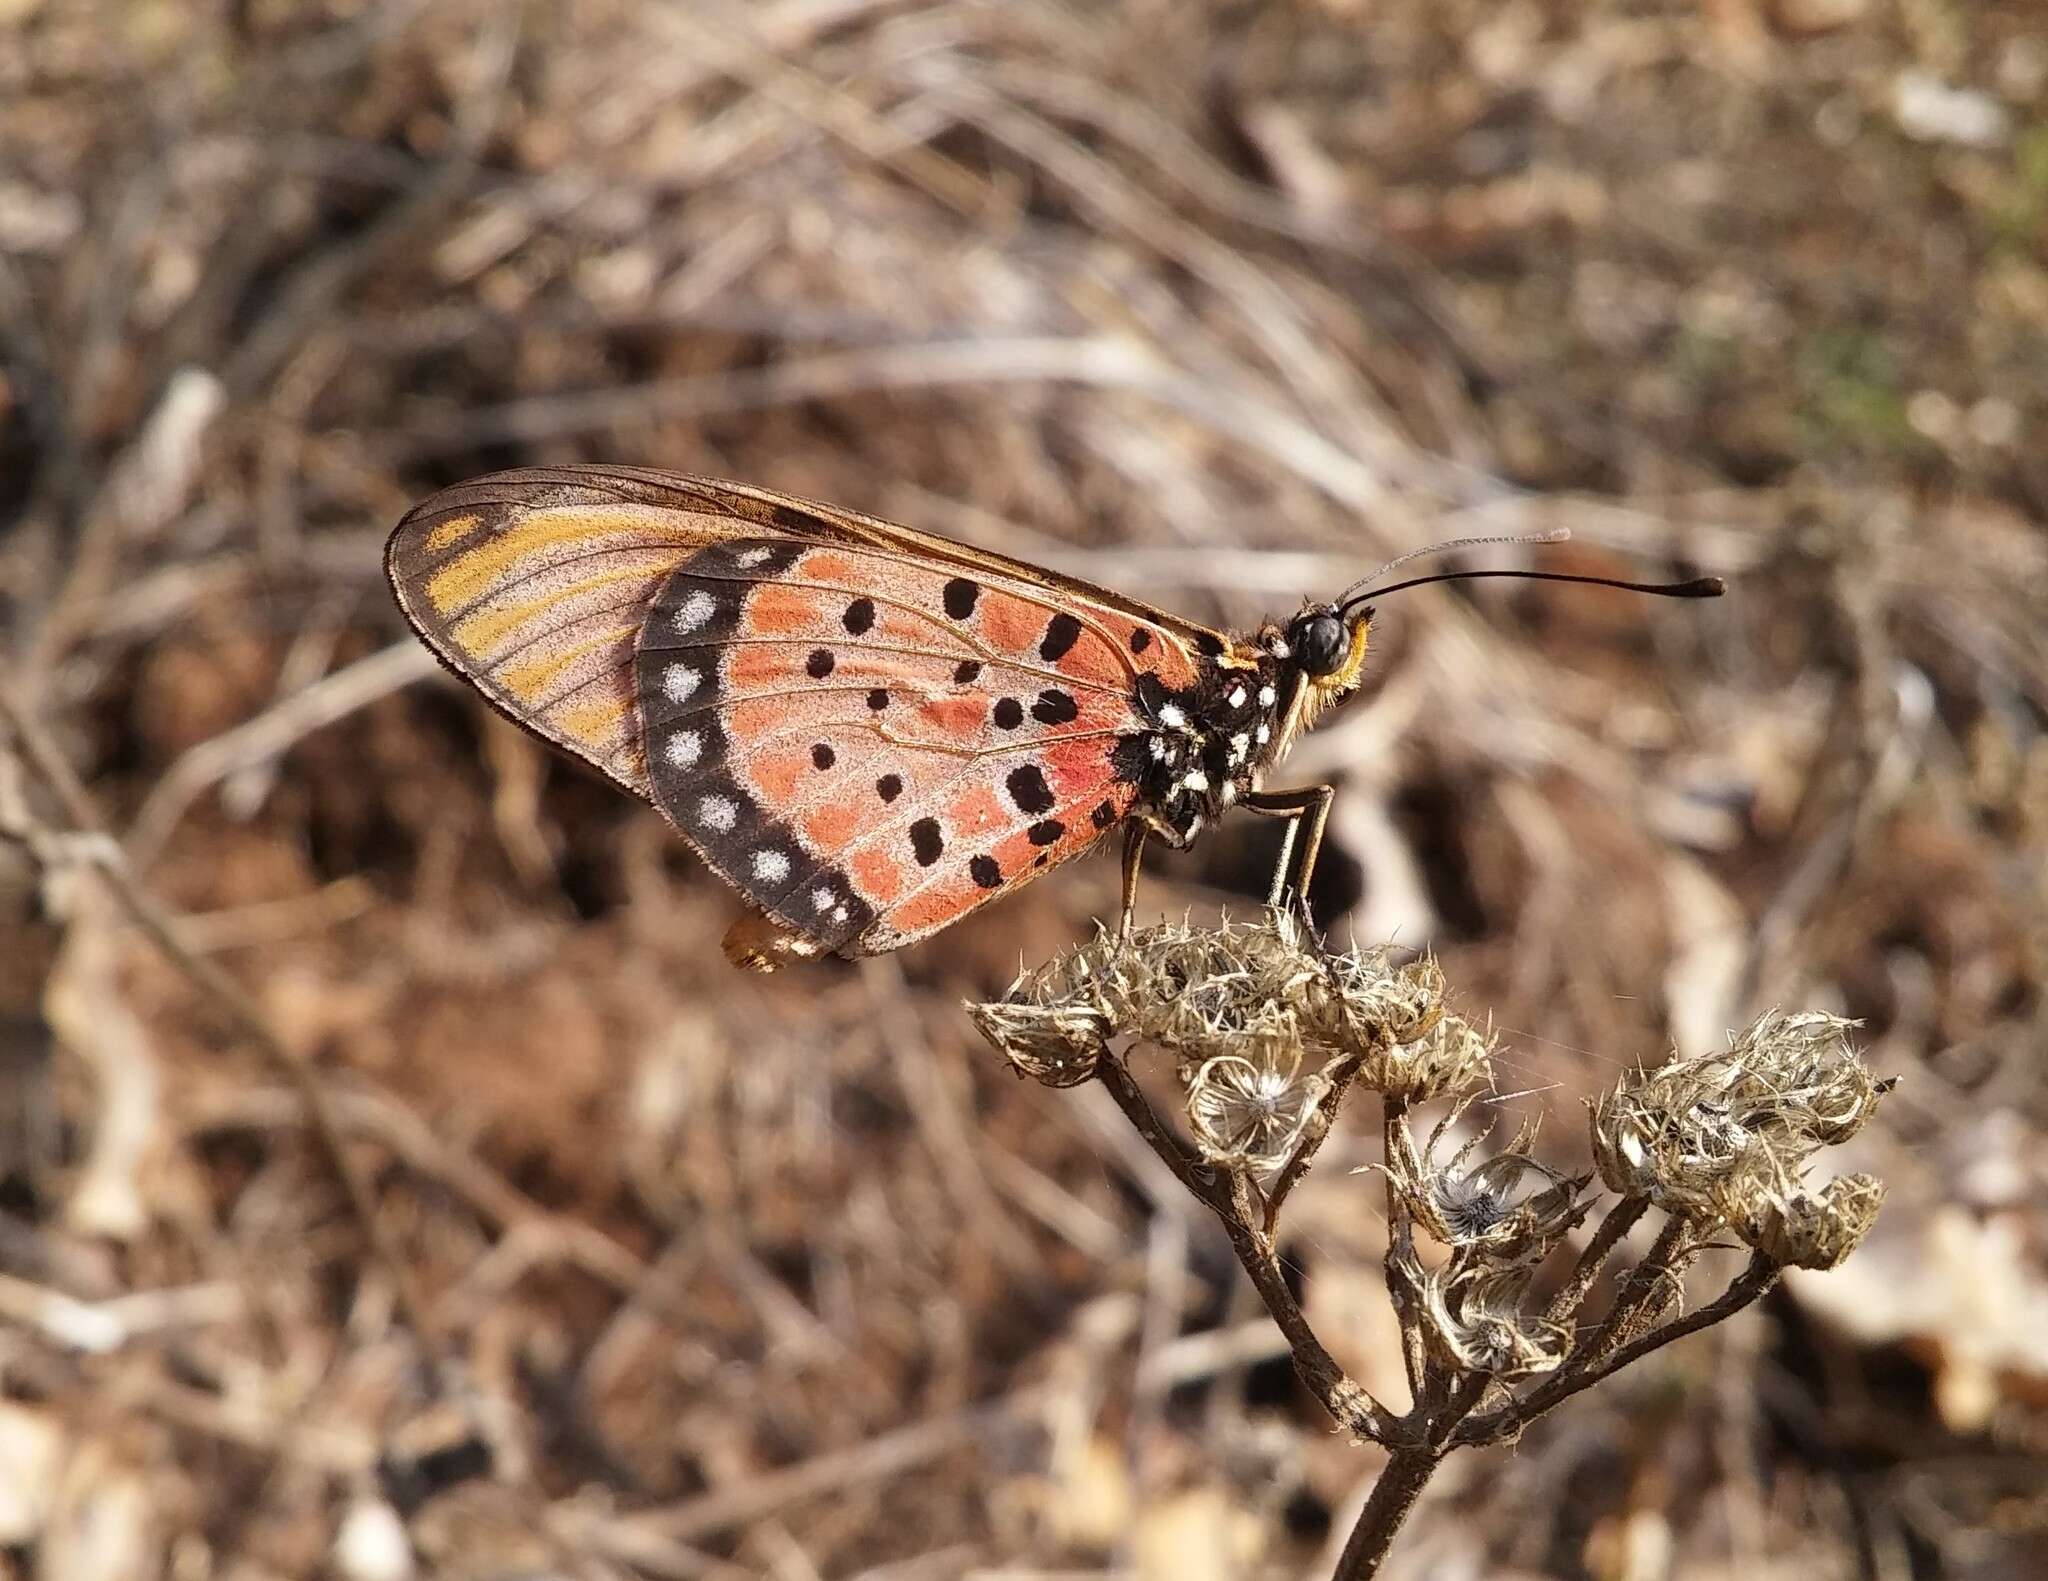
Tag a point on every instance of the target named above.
point(869, 732)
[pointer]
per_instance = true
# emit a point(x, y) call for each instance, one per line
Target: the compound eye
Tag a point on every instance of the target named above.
point(1320, 643)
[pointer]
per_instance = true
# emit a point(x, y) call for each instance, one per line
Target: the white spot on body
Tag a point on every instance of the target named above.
point(718, 813)
point(1237, 696)
point(1268, 697)
point(749, 558)
point(1156, 745)
point(1278, 648)
point(680, 682)
point(1170, 715)
point(770, 865)
point(1263, 734)
point(1195, 780)
point(699, 607)
point(821, 898)
point(684, 748)
point(1229, 792)
point(1240, 744)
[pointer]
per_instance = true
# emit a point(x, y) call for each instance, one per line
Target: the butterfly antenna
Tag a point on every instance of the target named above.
point(1356, 590)
point(1698, 587)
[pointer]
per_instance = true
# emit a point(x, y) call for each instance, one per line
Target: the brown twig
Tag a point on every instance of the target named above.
point(1350, 1405)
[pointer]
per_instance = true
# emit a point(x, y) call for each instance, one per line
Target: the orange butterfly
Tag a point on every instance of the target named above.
point(866, 730)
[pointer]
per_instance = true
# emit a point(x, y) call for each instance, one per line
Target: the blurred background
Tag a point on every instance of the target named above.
point(678, 1272)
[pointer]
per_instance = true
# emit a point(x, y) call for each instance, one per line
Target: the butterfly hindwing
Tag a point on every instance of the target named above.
point(869, 749)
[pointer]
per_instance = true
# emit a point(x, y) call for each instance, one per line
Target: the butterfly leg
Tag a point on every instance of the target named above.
point(1134, 854)
point(1306, 812)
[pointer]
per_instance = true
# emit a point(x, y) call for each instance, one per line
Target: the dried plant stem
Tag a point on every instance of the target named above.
point(1400, 1253)
point(1407, 1472)
point(1347, 1401)
point(1338, 1076)
point(1751, 1285)
point(1571, 1295)
point(1641, 1295)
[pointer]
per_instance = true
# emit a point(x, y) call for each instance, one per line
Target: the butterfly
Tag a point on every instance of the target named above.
point(866, 730)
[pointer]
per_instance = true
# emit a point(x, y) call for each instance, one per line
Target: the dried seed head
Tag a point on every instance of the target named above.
point(1249, 1110)
point(1785, 1086)
point(1449, 1058)
point(1509, 1207)
point(1794, 1225)
point(1059, 1045)
point(1473, 1320)
point(1200, 993)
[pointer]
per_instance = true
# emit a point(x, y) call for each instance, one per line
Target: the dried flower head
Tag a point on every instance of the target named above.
point(1786, 1085)
point(1509, 1207)
point(1448, 1058)
point(1199, 993)
point(1059, 1045)
point(1249, 1110)
point(1473, 1317)
point(1797, 1226)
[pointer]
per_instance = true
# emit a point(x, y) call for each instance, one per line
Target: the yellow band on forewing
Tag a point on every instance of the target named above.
point(451, 532)
point(472, 576)
point(530, 677)
point(591, 723)
point(481, 633)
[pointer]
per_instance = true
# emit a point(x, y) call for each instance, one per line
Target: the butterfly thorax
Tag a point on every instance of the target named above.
point(1199, 748)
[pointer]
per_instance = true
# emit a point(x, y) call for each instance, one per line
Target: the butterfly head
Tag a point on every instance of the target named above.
point(1324, 648)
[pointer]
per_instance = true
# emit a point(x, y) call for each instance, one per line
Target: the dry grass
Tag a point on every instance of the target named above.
point(710, 1276)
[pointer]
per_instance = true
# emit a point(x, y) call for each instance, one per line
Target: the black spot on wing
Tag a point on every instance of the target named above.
point(1008, 713)
point(1028, 789)
point(889, 786)
point(1061, 633)
point(966, 673)
point(1141, 639)
point(1055, 707)
point(1104, 815)
point(1046, 831)
point(878, 699)
point(859, 618)
point(823, 757)
point(819, 664)
point(926, 842)
point(960, 596)
point(986, 872)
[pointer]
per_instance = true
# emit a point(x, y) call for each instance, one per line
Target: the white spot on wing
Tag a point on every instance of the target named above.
point(1170, 715)
point(1156, 745)
point(839, 914)
point(680, 682)
point(693, 611)
point(684, 748)
point(1263, 734)
point(1267, 697)
point(1237, 696)
point(821, 898)
point(770, 865)
point(749, 558)
point(718, 813)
